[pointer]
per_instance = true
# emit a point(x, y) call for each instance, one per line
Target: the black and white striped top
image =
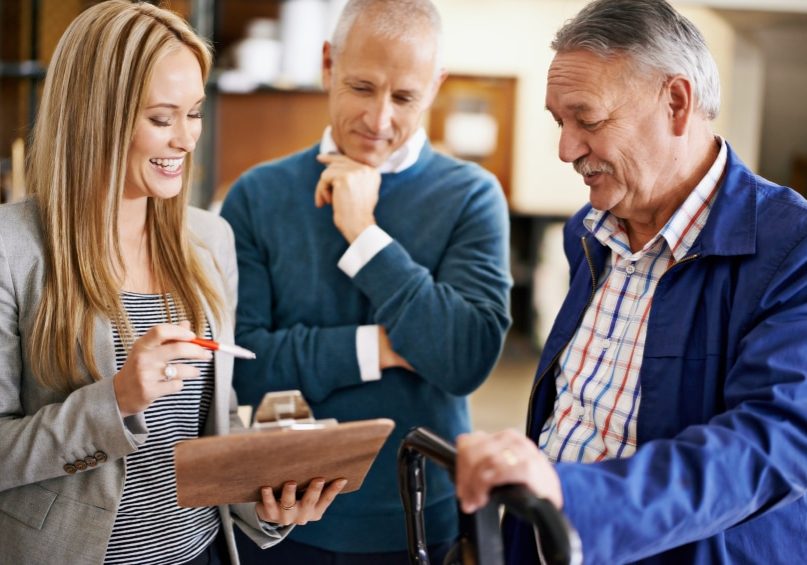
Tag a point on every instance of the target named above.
point(150, 527)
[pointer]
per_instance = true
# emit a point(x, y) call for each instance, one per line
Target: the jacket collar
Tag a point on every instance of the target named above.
point(732, 225)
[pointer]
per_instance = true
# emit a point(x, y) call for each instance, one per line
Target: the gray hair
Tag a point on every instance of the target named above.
point(392, 19)
point(653, 35)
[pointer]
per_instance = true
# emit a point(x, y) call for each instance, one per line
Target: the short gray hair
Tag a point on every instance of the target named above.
point(653, 35)
point(392, 19)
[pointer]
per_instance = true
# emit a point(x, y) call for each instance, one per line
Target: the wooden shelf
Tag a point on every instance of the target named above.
point(264, 125)
point(497, 95)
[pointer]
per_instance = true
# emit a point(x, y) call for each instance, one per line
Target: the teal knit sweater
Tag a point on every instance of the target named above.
point(440, 289)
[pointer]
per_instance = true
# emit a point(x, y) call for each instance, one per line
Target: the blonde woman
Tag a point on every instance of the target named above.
point(104, 276)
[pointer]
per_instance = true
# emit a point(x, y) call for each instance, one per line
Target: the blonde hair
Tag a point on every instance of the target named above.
point(96, 85)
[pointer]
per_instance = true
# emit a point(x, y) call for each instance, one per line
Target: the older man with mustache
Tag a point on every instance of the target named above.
point(668, 418)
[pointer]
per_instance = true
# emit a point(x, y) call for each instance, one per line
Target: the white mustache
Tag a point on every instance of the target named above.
point(585, 168)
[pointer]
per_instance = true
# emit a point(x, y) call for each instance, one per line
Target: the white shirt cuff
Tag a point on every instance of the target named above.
point(372, 240)
point(367, 353)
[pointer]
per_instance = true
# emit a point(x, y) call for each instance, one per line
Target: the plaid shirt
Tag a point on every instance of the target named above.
point(597, 376)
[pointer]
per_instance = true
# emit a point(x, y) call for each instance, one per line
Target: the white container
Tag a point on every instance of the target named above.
point(302, 33)
point(259, 59)
point(257, 56)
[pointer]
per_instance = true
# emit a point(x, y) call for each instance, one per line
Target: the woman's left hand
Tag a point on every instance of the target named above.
point(289, 510)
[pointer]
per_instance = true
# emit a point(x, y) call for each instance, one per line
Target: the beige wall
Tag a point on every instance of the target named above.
point(748, 99)
point(785, 133)
point(511, 38)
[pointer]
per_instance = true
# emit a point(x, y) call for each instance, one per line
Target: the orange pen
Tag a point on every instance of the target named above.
point(233, 350)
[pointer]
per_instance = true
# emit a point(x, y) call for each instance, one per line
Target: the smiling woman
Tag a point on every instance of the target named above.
point(106, 276)
point(167, 128)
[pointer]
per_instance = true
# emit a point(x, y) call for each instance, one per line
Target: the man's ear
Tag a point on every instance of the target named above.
point(436, 84)
point(681, 103)
point(327, 65)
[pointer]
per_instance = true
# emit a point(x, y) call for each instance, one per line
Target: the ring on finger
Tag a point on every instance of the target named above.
point(169, 372)
point(509, 457)
point(284, 507)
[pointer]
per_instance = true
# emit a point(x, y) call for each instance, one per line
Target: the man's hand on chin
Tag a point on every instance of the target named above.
point(352, 189)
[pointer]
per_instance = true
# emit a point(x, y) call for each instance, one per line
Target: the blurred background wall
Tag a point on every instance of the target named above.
point(760, 47)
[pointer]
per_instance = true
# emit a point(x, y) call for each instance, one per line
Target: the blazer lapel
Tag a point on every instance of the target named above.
point(220, 410)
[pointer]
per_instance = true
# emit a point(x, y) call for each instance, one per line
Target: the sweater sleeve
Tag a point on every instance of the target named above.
point(744, 462)
point(314, 360)
point(450, 324)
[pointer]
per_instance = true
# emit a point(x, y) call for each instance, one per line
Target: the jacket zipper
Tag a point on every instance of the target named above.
point(557, 355)
point(588, 304)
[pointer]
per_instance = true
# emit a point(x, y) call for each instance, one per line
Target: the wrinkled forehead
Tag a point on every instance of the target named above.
point(577, 79)
point(409, 61)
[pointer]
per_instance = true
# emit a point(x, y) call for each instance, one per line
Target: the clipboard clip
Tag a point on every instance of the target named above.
point(287, 409)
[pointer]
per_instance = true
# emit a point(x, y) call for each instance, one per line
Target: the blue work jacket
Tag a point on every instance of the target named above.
point(720, 472)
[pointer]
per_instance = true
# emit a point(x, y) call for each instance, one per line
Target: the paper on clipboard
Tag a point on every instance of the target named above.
point(232, 469)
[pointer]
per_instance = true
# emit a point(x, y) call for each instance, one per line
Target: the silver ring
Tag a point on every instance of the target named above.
point(169, 372)
point(509, 457)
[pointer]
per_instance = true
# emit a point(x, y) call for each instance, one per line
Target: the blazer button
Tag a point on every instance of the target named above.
point(100, 456)
point(80, 465)
point(70, 469)
point(91, 461)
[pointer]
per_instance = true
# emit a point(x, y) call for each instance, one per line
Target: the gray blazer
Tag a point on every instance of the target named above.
point(46, 514)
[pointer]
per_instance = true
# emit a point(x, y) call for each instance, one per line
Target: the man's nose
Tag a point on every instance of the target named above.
point(571, 145)
point(378, 117)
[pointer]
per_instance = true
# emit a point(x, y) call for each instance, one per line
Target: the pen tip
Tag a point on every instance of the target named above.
point(243, 352)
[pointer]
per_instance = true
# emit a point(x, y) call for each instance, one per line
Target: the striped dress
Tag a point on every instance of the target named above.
point(150, 528)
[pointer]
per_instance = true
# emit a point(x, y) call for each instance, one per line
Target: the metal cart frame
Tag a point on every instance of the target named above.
point(480, 541)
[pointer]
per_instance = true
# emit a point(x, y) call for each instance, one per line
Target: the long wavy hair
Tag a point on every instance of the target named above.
point(96, 85)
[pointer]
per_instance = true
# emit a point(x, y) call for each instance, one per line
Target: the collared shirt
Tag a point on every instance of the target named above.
point(403, 157)
point(597, 375)
point(371, 241)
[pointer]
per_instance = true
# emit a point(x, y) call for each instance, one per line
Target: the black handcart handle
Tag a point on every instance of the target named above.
point(558, 543)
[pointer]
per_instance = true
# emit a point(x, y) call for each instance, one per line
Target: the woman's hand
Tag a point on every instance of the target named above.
point(149, 372)
point(289, 510)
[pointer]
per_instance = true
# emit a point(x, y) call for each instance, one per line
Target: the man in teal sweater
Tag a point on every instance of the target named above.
point(373, 276)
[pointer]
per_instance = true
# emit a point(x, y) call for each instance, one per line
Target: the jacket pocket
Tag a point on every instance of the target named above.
point(28, 504)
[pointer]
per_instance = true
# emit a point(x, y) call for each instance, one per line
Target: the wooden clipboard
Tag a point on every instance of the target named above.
point(233, 468)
